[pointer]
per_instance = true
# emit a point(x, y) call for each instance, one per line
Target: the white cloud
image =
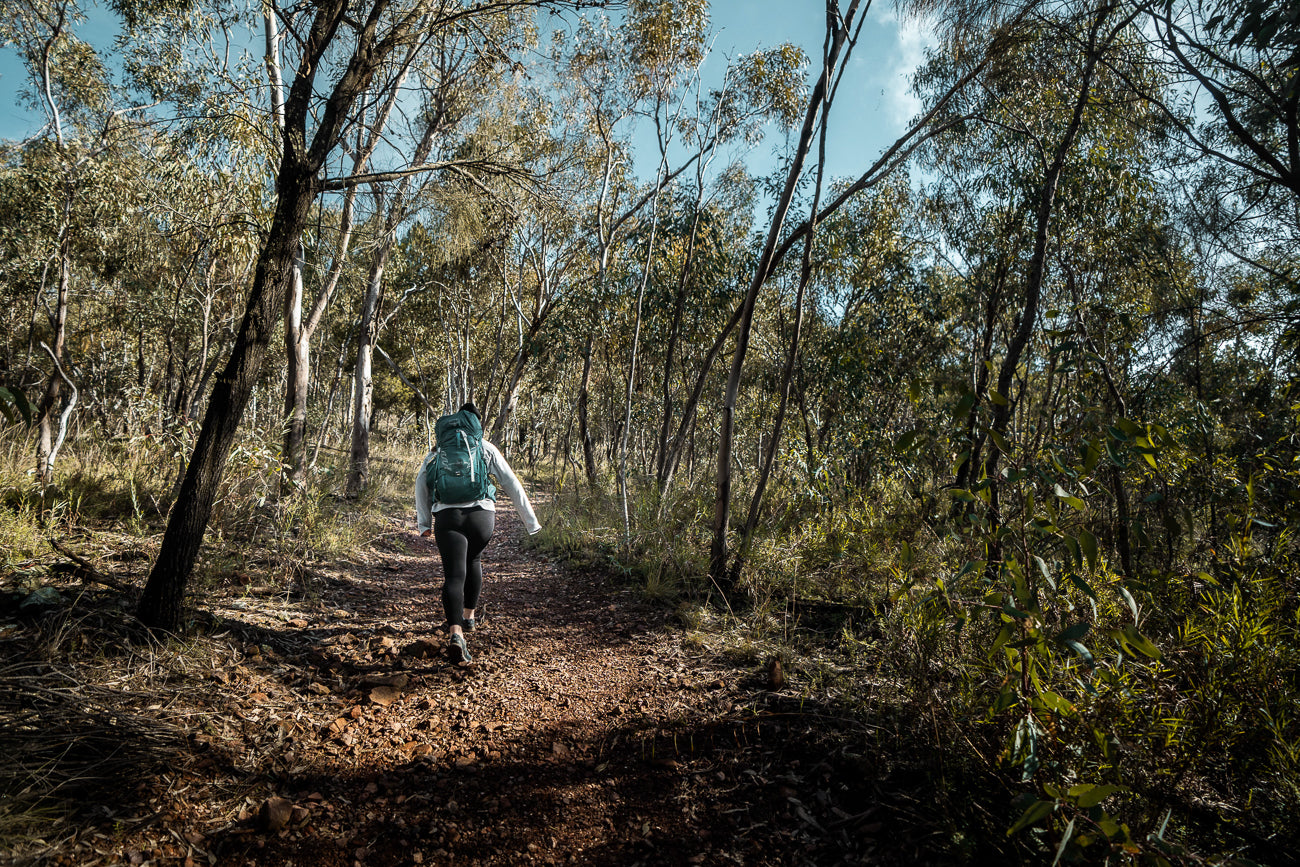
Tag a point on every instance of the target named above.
point(912, 37)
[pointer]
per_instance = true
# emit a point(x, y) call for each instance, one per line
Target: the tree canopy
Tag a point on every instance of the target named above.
point(1025, 383)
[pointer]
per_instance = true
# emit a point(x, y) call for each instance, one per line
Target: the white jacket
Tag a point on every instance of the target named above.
point(496, 466)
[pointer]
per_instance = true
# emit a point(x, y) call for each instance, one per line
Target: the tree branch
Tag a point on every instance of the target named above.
point(485, 166)
point(67, 410)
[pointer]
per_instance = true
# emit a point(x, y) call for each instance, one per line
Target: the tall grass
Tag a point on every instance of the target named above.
point(260, 529)
point(1096, 718)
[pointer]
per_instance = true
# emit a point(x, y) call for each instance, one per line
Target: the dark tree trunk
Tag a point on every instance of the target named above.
point(670, 351)
point(584, 427)
point(1034, 286)
point(161, 603)
point(297, 185)
point(677, 445)
point(787, 378)
point(838, 26)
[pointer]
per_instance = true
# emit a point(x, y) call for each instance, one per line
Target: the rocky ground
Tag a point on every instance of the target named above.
point(329, 729)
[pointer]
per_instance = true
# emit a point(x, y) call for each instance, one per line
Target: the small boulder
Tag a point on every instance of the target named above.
point(384, 695)
point(274, 814)
point(421, 649)
point(39, 601)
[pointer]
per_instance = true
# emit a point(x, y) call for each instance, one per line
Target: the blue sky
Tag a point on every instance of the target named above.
point(875, 102)
point(872, 109)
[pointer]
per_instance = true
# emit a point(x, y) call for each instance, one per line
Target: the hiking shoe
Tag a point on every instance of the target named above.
point(457, 651)
point(469, 624)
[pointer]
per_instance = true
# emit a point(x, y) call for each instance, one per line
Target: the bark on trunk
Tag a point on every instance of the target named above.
point(363, 398)
point(792, 359)
point(160, 604)
point(510, 400)
point(297, 376)
point(837, 32)
point(584, 427)
point(48, 409)
point(297, 184)
point(677, 445)
point(670, 351)
point(1002, 410)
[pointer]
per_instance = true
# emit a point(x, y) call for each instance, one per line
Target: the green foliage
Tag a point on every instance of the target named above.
point(585, 528)
point(15, 406)
point(1067, 603)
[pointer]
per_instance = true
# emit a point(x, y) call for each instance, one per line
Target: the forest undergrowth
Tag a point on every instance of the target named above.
point(1087, 721)
point(1081, 715)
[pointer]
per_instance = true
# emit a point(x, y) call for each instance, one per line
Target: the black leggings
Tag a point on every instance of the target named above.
point(462, 534)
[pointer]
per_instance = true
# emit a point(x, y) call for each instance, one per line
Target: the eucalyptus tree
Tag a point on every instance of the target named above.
point(603, 88)
point(1233, 100)
point(842, 30)
point(1065, 147)
point(647, 73)
point(966, 26)
point(338, 52)
point(198, 245)
point(877, 319)
point(667, 46)
point(83, 126)
point(452, 325)
point(1074, 287)
point(705, 254)
point(1243, 59)
point(756, 90)
point(545, 259)
point(462, 74)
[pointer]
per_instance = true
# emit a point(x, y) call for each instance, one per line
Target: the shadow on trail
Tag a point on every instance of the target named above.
point(753, 791)
point(514, 760)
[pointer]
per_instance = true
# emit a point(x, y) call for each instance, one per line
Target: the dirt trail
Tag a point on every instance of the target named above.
point(584, 732)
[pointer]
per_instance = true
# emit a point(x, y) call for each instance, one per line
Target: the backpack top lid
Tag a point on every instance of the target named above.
point(446, 429)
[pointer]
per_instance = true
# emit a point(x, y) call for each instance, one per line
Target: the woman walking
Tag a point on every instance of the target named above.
point(453, 488)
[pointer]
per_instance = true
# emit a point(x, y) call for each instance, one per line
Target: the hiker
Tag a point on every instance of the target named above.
point(453, 484)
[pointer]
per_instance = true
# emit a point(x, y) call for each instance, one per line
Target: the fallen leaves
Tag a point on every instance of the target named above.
point(356, 741)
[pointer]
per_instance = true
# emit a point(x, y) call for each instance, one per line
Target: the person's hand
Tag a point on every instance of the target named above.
point(428, 532)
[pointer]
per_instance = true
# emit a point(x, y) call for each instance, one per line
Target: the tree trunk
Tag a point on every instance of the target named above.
point(299, 331)
point(677, 445)
point(584, 427)
point(363, 397)
point(510, 399)
point(623, 493)
point(335, 383)
point(1034, 286)
point(48, 409)
point(983, 354)
point(160, 604)
point(792, 359)
point(837, 31)
point(371, 321)
point(297, 184)
point(297, 375)
point(670, 351)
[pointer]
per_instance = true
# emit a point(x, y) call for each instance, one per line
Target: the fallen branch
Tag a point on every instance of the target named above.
point(88, 570)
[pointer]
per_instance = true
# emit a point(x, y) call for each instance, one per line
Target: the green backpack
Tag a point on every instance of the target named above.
point(458, 471)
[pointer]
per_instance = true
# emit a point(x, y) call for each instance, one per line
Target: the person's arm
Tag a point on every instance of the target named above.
point(423, 505)
point(510, 484)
